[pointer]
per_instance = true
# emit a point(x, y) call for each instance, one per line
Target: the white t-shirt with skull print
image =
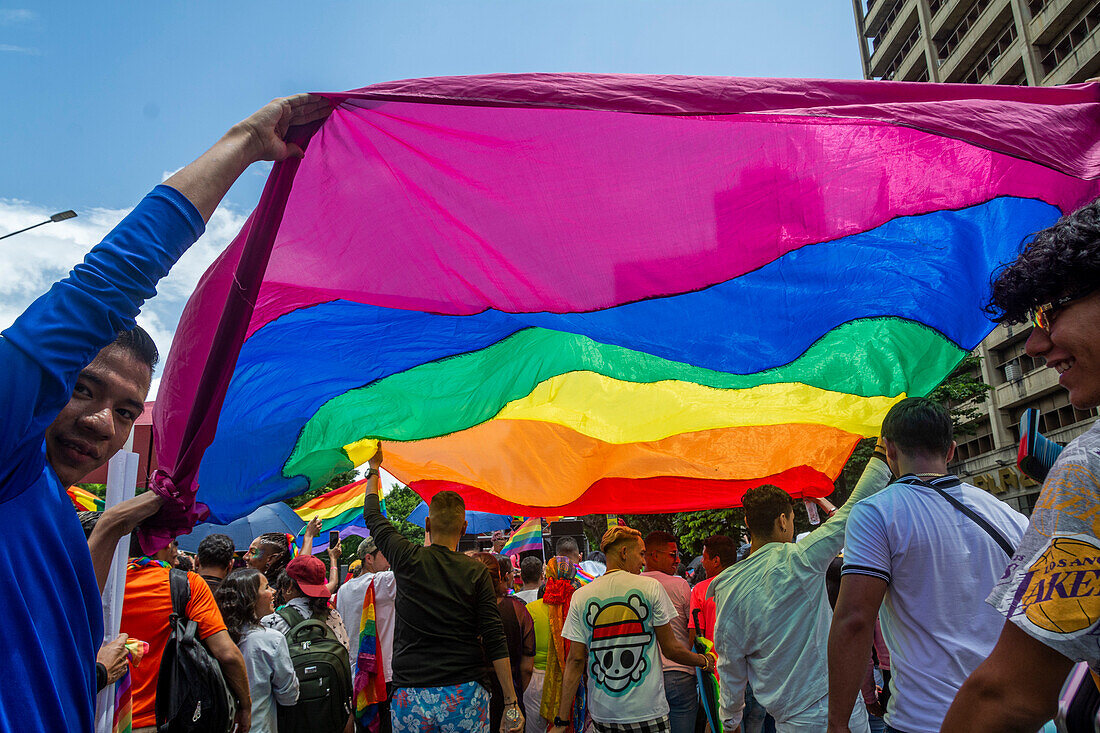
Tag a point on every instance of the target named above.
point(615, 616)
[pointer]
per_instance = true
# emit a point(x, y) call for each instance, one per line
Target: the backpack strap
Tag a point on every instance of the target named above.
point(978, 519)
point(291, 616)
point(181, 592)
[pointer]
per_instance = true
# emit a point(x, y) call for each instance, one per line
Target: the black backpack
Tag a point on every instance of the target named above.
point(324, 677)
point(192, 696)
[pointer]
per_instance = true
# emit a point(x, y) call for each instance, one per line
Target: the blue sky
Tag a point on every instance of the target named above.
point(101, 99)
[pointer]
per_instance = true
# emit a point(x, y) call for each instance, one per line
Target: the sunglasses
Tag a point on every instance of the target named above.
point(1044, 315)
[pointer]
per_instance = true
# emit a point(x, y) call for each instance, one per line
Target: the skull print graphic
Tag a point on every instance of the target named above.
point(620, 636)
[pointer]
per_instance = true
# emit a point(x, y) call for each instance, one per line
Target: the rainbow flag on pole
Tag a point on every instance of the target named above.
point(527, 537)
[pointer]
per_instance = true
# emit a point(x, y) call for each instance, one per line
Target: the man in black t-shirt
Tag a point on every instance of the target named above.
point(448, 623)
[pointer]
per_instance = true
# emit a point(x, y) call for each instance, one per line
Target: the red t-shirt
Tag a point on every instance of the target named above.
point(707, 606)
point(146, 607)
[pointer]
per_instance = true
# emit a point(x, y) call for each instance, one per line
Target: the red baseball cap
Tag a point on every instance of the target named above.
point(309, 572)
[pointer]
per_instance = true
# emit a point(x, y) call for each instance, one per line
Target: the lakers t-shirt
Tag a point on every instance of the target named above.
point(615, 616)
point(1051, 589)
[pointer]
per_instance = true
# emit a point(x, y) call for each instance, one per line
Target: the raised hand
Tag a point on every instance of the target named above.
point(267, 127)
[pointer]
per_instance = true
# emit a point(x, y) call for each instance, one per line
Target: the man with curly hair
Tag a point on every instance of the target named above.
point(1050, 592)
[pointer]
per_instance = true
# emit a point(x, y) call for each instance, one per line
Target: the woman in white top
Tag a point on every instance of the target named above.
point(305, 590)
point(245, 597)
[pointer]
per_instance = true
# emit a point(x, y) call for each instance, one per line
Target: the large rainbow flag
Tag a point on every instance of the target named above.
point(572, 294)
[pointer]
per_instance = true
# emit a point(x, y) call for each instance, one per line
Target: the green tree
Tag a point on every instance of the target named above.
point(99, 490)
point(694, 527)
point(961, 393)
point(337, 481)
point(400, 502)
point(955, 392)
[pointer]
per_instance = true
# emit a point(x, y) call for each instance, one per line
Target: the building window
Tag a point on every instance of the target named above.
point(902, 53)
point(992, 55)
point(974, 444)
point(1013, 362)
point(884, 26)
point(1064, 46)
point(947, 46)
point(1055, 413)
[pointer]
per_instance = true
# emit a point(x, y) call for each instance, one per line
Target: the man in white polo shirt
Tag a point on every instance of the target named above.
point(929, 564)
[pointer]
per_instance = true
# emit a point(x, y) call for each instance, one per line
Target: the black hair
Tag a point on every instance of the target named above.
point(88, 521)
point(1061, 260)
point(763, 505)
point(721, 548)
point(236, 598)
point(318, 607)
point(183, 562)
point(276, 569)
point(659, 537)
point(919, 426)
point(566, 546)
point(530, 569)
point(215, 551)
point(139, 343)
point(597, 556)
point(507, 572)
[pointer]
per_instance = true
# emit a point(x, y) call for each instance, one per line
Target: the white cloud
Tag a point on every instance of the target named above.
point(32, 261)
point(11, 16)
point(7, 47)
point(168, 174)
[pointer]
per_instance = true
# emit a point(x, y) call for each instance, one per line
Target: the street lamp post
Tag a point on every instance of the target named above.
point(60, 216)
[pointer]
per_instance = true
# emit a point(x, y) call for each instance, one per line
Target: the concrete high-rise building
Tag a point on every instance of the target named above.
point(1032, 42)
point(1026, 42)
point(986, 455)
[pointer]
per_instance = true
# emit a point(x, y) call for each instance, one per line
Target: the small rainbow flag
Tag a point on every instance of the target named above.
point(527, 537)
point(84, 501)
point(584, 577)
point(123, 719)
point(338, 508)
point(370, 681)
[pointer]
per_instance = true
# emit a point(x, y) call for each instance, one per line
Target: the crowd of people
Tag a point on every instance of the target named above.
point(921, 604)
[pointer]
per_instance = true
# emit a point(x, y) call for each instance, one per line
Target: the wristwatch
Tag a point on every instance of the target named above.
point(559, 723)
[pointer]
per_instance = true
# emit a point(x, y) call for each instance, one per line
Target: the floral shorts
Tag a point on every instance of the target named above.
point(454, 709)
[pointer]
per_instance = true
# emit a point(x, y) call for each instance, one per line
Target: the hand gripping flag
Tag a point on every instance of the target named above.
point(574, 294)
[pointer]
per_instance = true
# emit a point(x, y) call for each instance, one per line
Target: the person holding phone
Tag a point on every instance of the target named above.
point(312, 531)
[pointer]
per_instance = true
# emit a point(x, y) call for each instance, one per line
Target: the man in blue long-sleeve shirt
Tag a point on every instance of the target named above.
point(70, 390)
